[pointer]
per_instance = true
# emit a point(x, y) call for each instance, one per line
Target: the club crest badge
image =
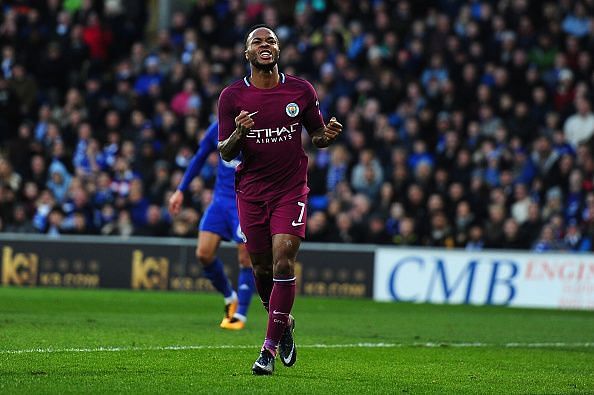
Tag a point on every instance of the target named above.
point(292, 110)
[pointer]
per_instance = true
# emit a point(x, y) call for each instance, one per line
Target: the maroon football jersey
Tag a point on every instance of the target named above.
point(273, 162)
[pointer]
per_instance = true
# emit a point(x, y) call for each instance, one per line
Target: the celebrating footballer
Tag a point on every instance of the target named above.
point(261, 117)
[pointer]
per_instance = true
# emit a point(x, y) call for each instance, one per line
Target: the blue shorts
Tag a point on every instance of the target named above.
point(221, 218)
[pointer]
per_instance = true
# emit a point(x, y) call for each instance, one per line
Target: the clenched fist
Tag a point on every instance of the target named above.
point(332, 130)
point(243, 123)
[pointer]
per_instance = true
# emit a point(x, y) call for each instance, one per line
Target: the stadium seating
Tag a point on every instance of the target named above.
point(467, 124)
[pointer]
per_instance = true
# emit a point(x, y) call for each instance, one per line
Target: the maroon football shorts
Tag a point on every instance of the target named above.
point(261, 220)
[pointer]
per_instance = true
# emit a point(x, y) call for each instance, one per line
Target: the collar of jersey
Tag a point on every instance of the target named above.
point(246, 79)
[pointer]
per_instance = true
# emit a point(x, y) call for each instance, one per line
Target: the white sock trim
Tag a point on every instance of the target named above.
point(231, 298)
point(240, 317)
point(284, 279)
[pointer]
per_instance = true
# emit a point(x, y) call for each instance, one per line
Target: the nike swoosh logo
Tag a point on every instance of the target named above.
point(279, 312)
point(297, 223)
point(290, 356)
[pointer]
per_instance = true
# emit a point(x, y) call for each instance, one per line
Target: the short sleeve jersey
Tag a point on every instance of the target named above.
point(274, 162)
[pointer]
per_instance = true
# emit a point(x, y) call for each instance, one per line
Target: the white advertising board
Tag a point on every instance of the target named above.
point(484, 278)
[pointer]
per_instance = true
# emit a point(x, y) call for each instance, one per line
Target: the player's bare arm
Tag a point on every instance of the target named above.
point(230, 147)
point(325, 136)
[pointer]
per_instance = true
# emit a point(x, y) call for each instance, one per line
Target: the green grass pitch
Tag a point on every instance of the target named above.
point(122, 341)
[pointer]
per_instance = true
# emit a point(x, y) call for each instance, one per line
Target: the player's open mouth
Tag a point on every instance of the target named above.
point(265, 54)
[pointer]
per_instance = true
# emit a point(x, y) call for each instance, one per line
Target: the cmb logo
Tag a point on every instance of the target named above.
point(149, 272)
point(19, 269)
point(437, 280)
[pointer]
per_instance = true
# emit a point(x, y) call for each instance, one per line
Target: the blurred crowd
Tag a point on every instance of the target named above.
point(467, 123)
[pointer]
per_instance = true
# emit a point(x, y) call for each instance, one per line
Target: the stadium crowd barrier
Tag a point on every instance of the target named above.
point(518, 279)
point(166, 264)
point(420, 275)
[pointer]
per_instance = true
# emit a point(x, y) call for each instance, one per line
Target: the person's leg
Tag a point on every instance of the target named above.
point(245, 289)
point(262, 264)
point(208, 244)
point(245, 282)
point(287, 225)
point(254, 220)
point(255, 223)
point(284, 252)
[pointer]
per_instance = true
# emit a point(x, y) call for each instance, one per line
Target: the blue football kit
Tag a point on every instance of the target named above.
point(221, 216)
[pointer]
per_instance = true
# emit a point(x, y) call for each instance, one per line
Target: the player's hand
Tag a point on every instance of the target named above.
point(332, 130)
point(243, 123)
point(175, 202)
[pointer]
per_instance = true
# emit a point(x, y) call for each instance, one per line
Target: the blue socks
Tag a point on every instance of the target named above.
point(245, 286)
point(245, 290)
point(216, 274)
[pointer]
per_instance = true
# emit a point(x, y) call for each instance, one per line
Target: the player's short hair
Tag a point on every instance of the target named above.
point(255, 27)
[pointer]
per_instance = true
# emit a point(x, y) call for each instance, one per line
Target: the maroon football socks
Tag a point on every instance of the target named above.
point(281, 303)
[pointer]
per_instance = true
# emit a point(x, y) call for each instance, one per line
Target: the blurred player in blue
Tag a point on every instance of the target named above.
point(220, 221)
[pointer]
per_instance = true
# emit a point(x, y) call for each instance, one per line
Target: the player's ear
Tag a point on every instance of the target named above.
point(246, 54)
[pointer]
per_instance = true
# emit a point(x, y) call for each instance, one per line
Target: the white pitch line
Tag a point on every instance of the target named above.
point(351, 345)
point(503, 345)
